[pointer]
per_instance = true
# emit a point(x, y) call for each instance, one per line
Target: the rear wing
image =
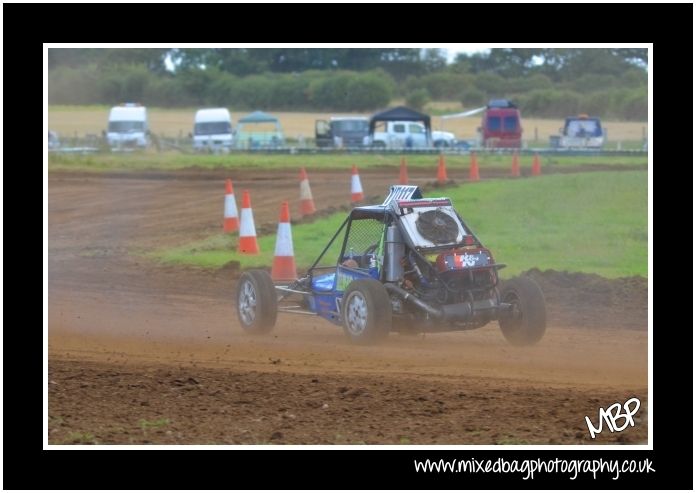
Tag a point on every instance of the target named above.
point(402, 192)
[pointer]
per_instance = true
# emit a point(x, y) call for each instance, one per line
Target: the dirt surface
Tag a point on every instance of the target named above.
point(589, 300)
point(141, 353)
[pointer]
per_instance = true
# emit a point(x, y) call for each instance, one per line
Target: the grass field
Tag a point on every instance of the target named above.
point(175, 160)
point(71, 120)
point(591, 222)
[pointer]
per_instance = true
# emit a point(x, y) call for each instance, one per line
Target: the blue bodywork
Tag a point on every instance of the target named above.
point(328, 288)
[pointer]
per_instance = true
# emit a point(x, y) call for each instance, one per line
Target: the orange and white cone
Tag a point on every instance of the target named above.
point(247, 230)
point(306, 200)
point(536, 166)
point(356, 190)
point(403, 172)
point(474, 168)
point(441, 170)
point(515, 165)
point(231, 221)
point(284, 260)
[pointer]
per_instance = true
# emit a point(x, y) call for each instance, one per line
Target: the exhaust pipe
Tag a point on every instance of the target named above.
point(406, 296)
point(461, 311)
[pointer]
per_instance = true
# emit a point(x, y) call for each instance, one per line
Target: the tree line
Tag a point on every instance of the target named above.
point(543, 82)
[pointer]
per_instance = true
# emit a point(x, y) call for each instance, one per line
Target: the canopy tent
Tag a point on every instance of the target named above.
point(400, 114)
point(258, 117)
point(248, 139)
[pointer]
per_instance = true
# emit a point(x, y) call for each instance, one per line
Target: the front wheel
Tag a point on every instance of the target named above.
point(366, 311)
point(526, 323)
point(257, 303)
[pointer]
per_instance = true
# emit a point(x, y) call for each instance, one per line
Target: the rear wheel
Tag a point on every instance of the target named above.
point(257, 303)
point(526, 323)
point(366, 311)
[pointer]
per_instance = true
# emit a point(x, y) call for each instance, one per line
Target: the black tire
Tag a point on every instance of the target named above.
point(257, 303)
point(527, 322)
point(379, 145)
point(366, 311)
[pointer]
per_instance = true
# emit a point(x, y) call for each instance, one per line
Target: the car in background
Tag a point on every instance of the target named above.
point(342, 132)
point(580, 132)
point(212, 130)
point(128, 127)
point(53, 140)
point(500, 125)
point(409, 134)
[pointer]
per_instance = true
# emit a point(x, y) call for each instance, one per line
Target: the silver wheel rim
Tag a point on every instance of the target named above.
point(247, 303)
point(356, 313)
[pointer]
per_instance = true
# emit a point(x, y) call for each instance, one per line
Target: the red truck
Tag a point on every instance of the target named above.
point(500, 126)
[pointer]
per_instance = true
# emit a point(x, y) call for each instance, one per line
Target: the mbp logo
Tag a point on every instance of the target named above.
point(613, 414)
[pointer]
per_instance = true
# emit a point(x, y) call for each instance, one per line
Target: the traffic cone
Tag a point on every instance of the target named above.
point(306, 200)
point(441, 170)
point(474, 169)
point(231, 222)
point(356, 190)
point(284, 260)
point(247, 231)
point(403, 172)
point(536, 166)
point(515, 164)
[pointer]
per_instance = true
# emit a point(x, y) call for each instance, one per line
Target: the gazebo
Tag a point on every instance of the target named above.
point(259, 129)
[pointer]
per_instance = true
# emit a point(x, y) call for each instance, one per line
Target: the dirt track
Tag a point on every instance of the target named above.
point(141, 353)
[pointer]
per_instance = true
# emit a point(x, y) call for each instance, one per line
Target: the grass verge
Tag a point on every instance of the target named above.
point(174, 160)
point(590, 222)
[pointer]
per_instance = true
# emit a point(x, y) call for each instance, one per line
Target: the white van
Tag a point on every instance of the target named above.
point(212, 130)
point(128, 127)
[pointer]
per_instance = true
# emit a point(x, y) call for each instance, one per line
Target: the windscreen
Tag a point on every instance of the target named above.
point(210, 128)
point(510, 123)
point(350, 126)
point(583, 128)
point(494, 123)
point(125, 126)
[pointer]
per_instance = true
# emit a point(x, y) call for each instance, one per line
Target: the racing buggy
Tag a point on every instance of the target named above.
point(409, 265)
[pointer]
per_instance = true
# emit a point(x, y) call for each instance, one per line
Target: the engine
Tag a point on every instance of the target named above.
point(454, 277)
point(467, 270)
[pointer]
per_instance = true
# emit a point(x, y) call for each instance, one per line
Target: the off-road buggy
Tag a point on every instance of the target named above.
point(409, 265)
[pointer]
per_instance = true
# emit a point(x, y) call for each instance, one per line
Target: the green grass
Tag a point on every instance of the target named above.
point(175, 160)
point(216, 251)
point(589, 222)
point(153, 425)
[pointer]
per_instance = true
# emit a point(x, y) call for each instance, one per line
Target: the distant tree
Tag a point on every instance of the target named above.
point(434, 59)
point(491, 83)
point(151, 58)
point(472, 97)
point(418, 99)
point(367, 92)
